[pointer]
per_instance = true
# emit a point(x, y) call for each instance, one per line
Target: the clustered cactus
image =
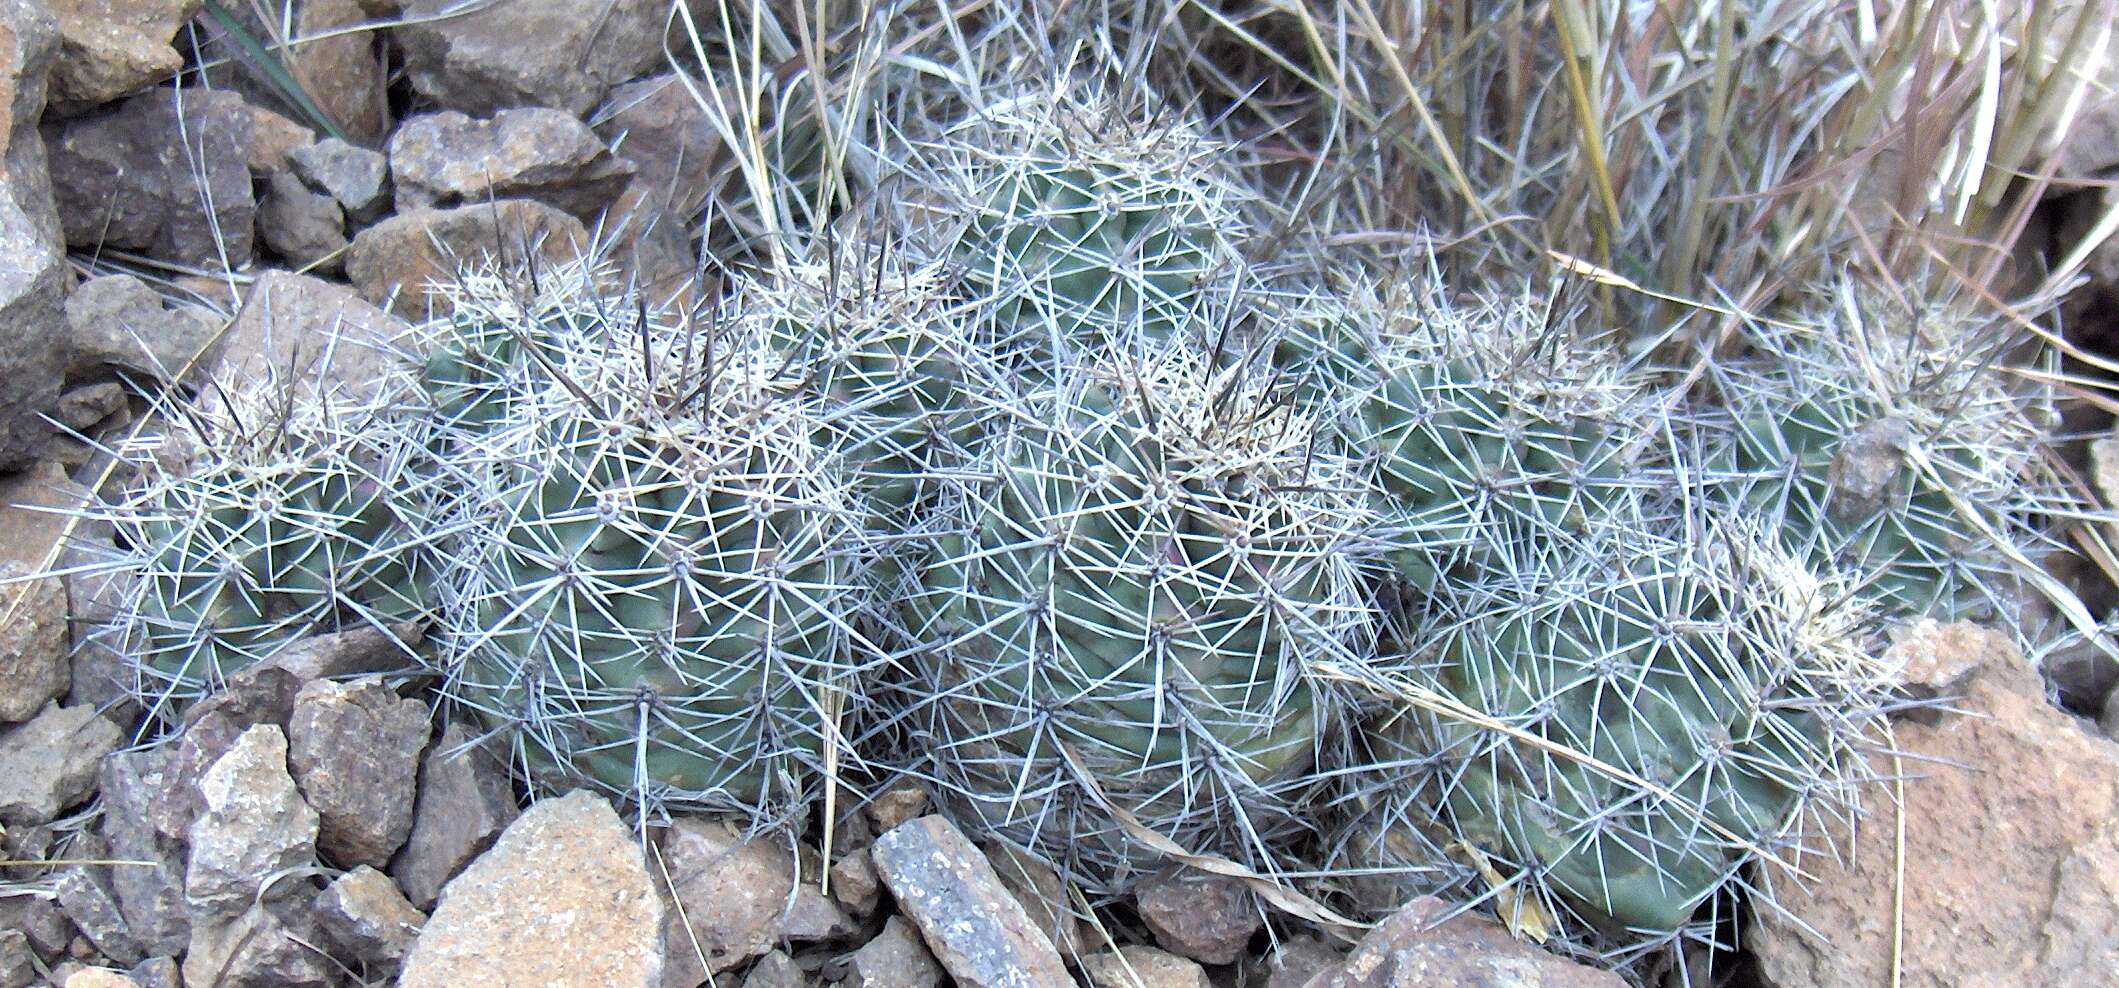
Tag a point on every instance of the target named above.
point(1120, 543)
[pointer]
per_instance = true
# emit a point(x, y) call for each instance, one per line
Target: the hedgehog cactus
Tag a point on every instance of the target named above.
point(1629, 721)
point(656, 566)
point(296, 514)
point(1118, 623)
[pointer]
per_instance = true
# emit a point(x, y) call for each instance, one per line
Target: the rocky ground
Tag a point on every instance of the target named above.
point(317, 824)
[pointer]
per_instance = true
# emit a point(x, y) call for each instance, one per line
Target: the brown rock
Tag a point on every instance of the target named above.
point(464, 802)
point(731, 899)
point(894, 959)
point(394, 261)
point(158, 972)
point(368, 920)
point(296, 328)
point(48, 763)
point(253, 826)
point(33, 644)
point(1298, 959)
point(1993, 852)
point(356, 178)
point(968, 918)
point(18, 964)
point(34, 275)
point(655, 124)
point(118, 321)
point(1206, 917)
point(776, 970)
point(480, 63)
point(447, 159)
point(113, 47)
point(1412, 949)
point(855, 884)
point(273, 141)
point(87, 900)
point(1142, 967)
point(256, 949)
point(343, 72)
point(354, 748)
point(306, 229)
point(1043, 895)
point(562, 899)
point(895, 806)
point(129, 177)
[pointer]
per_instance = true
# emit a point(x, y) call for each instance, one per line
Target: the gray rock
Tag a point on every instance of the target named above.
point(48, 763)
point(485, 61)
point(776, 970)
point(562, 899)
point(464, 802)
point(355, 177)
point(1298, 959)
point(253, 697)
point(158, 972)
point(2108, 720)
point(151, 898)
point(394, 261)
point(731, 899)
point(894, 959)
point(306, 229)
point(34, 668)
point(1042, 894)
point(1203, 916)
point(111, 49)
point(354, 749)
point(968, 918)
point(138, 176)
point(81, 408)
point(1411, 949)
point(255, 949)
point(368, 920)
point(33, 272)
point(118, 321)
point(1143, 967)
point(363, 651)
point(88, 901)
point(39, 919)
point(18, 964)
point(298, 329)
point(448, 159)
point(655, 124)
point(253, 826)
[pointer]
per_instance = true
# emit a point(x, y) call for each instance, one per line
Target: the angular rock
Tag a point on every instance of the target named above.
point(253, 826)
point(464, 802)
point(776, 970)
point(34, 275)
point(368, 920)
point(655, 124)
point(256, 949)
point(130, 177)
point(2002, 857)
point(448, 159)
point(117, 321)
point(563, 898)
point(18, 964)
point(731, 899)
point(151, 898)
point(1298, 959)
point(40, 921)
point(34, 668)
point(855, 884)
point(113, 47)
point(394, 261)
point(48, 763)
point(354, 177)
point(342, 70)
point(653, 247)
point(1143, 967)
point(296, 328)
point(255, 696)
point(1206, 917)
point(88, 901)
point(354, 749)
point(158, 972)
point(306, 229)
point(100, 977)
point(894, 959)
point(967, 917)
point(273, 141)
point(1412, 949)
point(895, 806)
point(480, 64)
point(1042, 894)
point(81, 408)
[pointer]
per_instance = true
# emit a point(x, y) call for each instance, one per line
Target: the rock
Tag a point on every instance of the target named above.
point(655, 124)
point(34, 668)
point(464, 802)
point(2109, 719)
point(2091, 147)
point(81, 408)
point(88, 901)
point(1206, 917)
point(273, 141)
point(479, 62)
point(306, 229)
point(118, 321)
point(968, 918)
point(293, 327)
point(151, 898)
point(894, 959)
point(34, 275)
point(158, 972)
point(448, 159)
point(776, 970)
point(1412, 949)
point(253, 826)
point(895, 806)
point(563, 898)
point(354, 177)
point(354, 749)
point(2003, 858)
point(39, 919)
point(393, 261)
point(855, 884)
point(1142, 967)
point(112, 47)
point(653, 247)
point(363, 651)
point(100, 977)
point(254, 950)
point(368, 920)
point(129, 177)
point(211, 728)
point(1298, 959)
point(343, 69)
point(18, 964)
point(730, 899)
point(1042, 895)
point(48, 763)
